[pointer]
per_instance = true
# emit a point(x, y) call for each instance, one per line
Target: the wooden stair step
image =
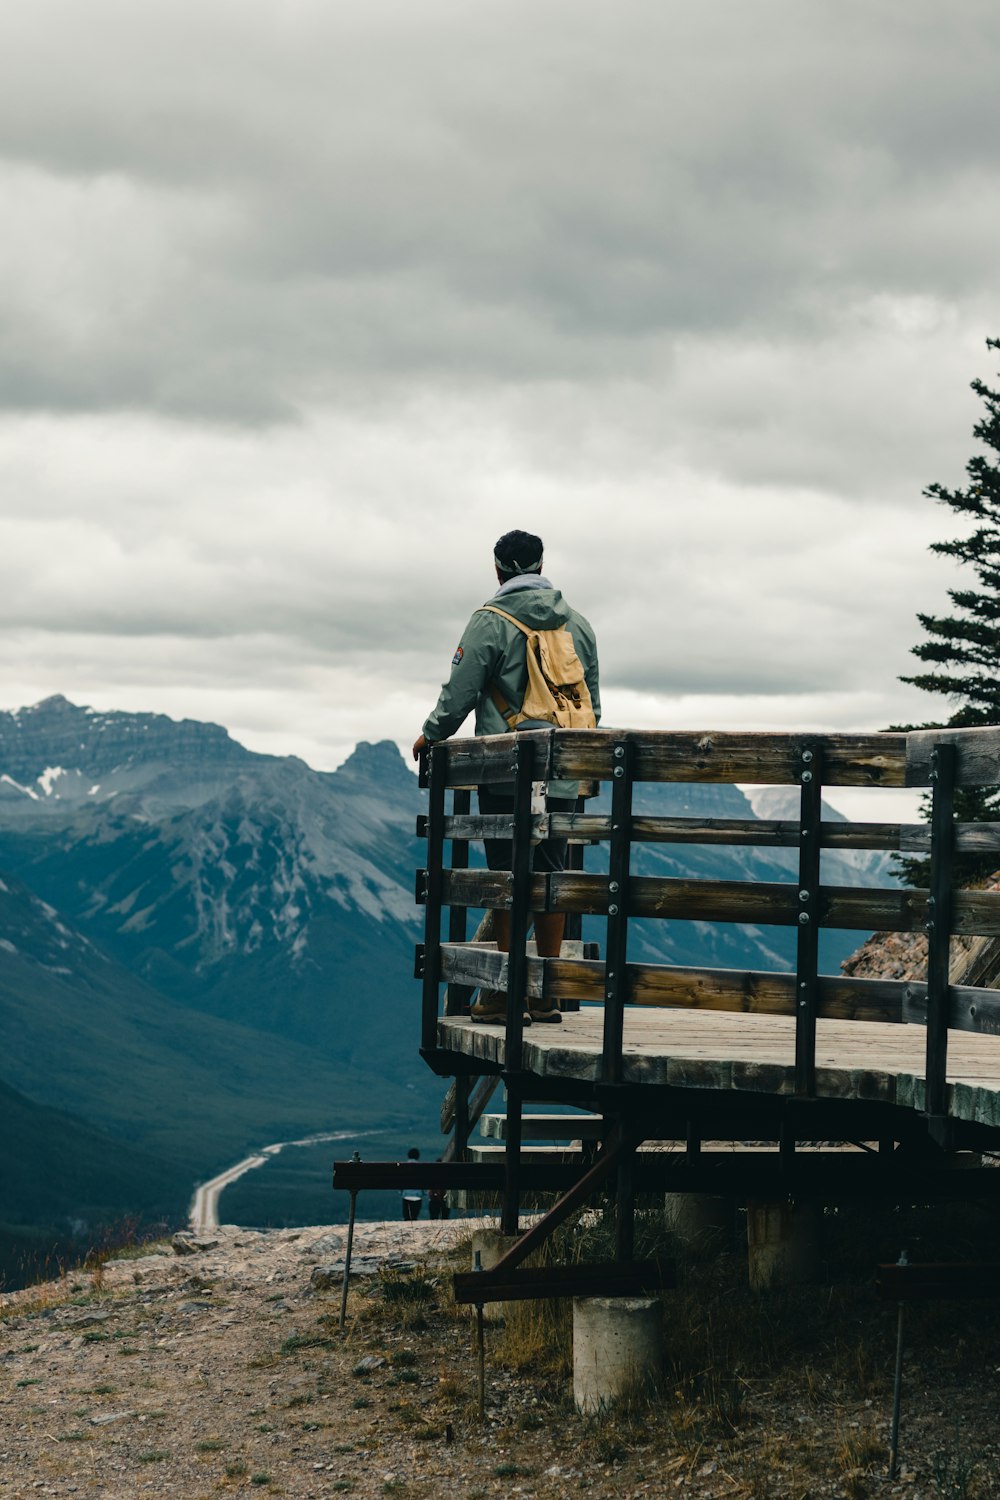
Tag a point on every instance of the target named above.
point(579, 1127)
point(530, 1153)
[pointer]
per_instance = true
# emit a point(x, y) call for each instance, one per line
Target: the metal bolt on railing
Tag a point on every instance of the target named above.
point(803, 895)
point(807, 776)
point(803, 918)
point(612, 910)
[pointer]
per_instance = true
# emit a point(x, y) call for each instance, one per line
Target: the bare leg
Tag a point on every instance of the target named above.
point(548, 939)
point(549, 933)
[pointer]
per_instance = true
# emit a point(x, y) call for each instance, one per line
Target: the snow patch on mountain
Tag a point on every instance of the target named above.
point(49, 777)
point(27, 790)
point(865, 867)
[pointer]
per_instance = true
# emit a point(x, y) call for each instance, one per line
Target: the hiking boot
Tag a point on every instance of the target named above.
point(490, 1009)
point(551, 1015)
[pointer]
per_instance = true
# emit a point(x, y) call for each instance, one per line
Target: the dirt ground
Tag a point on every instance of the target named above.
point(224, 1371)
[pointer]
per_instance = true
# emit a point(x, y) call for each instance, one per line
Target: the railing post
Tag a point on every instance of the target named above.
point(807, 943)
point(939, 909)
point(615, 974)
point(457, 996)
point(461, 1137)
point(517, 974)
point(433, 883)
point(573, 930)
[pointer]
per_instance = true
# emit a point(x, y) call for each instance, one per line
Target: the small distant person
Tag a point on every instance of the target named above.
point(489, 673)
point(413, 1197)
point(438, 1206)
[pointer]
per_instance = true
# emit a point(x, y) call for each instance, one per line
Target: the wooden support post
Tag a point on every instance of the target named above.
point(807, 946)
point(457, 997)
point(615, 976)
point(625, 1208)
point(573, 929)
point(461, 1137)
point(939, 909)
point(432, 885)
point(517, 978)
point(512, 1159)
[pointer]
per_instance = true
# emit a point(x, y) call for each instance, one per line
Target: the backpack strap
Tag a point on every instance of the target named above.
point(491, 609)
point(508, 714)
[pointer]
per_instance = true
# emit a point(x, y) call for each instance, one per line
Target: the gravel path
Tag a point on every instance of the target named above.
point(222, 1371)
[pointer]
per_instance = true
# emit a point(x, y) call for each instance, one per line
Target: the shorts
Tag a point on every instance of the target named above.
point(547, 857)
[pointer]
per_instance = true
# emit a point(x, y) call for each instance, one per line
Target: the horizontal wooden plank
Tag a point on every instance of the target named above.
point(972, 1009)
point(978, 758)
point(746, 992)
point(577, 1127)
point(762, 759)
point(726, 756)
point(733, 832)
point(696, 756)
point(526, 1283)
point(489, 760)
point(773, 904)
point(760, 1175)
point(908, 838)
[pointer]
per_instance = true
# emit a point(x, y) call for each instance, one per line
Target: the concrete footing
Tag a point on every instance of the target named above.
point(617, 1347)
point(783, 1243)
point(701, 1221)
point(491, 1245)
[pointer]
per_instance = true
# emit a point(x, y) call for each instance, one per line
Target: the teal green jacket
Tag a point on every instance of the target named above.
point(492, 650)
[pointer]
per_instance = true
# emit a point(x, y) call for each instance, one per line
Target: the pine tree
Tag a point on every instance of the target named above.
point(963, 649)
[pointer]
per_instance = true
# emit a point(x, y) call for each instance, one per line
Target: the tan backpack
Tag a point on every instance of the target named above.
point(557, 690)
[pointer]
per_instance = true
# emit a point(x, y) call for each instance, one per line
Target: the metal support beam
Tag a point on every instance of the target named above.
point(432, 884)
point(615, 976)
point(807, 945)
point(939, 911)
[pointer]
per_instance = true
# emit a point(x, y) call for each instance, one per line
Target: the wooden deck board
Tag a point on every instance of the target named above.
point(716, 1050)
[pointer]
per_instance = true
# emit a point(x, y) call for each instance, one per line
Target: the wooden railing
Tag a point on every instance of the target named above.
point(938, 760)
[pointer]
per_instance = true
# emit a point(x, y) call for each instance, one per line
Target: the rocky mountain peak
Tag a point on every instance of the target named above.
point(378, 763)
point(56, 735)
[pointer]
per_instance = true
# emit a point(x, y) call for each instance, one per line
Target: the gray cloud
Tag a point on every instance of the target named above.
point(300, 305)
point(299, 210)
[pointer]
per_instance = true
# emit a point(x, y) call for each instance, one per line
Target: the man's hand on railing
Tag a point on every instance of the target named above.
point(419, 744)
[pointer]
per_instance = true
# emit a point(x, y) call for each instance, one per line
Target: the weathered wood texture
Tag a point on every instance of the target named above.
point(666, 755)
point(910, 838)
point(978, 755)
point(754, 992)
point(753, 1053)
point(710, 756)
point(761, 903)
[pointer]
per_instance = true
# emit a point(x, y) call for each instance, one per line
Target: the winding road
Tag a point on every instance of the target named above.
point(204, 1211)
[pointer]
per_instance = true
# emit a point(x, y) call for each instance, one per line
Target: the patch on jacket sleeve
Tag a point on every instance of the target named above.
point(457, 657)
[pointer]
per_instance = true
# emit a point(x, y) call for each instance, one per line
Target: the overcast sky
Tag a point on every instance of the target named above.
point(302, 305)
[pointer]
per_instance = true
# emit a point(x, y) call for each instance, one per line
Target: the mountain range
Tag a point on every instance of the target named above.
point(203, 948)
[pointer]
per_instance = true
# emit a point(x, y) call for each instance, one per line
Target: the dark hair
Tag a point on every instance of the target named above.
point(413, 1154)
point(518, 552)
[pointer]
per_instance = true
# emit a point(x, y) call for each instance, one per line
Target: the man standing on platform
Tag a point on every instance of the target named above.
point(489, 673)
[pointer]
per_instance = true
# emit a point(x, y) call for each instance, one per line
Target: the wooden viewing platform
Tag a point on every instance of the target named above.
point(748, 1054)
point(664, 1052)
